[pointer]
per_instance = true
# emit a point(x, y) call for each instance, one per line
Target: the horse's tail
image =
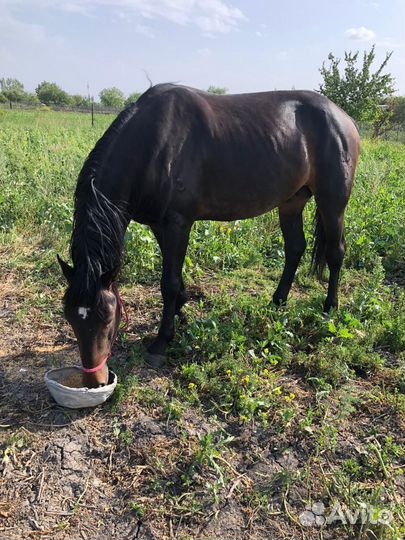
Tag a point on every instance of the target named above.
point(319, 249)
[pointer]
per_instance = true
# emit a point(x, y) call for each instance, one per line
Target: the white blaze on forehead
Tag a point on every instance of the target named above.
point(83, 312)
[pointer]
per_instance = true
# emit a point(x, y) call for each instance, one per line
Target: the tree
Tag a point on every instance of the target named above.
point(31, 98)
point(220, 91)
point(132, 98)
point(52, 94)
point(112, 97)
point(78, 100)
point(12, 90)
point(397, 106)
point(358, 91)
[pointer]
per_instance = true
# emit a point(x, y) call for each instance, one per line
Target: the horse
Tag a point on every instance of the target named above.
point(179, 155)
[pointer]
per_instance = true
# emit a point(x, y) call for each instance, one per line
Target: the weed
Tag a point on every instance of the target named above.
point(291, 372)
point(15, 444)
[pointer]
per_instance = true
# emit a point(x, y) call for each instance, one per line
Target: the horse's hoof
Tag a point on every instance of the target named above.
point(329, 306)
point(155, 360)
point(278, 301)
point(182, 317)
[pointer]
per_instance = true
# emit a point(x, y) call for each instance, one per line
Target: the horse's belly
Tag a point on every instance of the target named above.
point(230, 209)
point(251, 179)
point(246, 197)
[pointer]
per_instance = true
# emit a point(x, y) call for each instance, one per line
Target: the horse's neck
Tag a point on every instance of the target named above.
point(100, 225)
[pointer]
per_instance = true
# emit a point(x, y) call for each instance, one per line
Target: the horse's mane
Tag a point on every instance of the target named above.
point(97, 239)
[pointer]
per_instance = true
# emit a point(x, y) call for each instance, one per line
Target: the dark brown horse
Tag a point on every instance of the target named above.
point(179, 155)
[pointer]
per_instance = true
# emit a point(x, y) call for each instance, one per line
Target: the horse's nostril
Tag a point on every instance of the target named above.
point(101, 385)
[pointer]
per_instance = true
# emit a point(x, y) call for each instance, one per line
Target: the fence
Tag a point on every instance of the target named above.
point(97, 108)
point(396, 133)
point(92, 109)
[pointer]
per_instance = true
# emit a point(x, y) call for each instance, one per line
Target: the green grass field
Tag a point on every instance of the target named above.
point(329, 389)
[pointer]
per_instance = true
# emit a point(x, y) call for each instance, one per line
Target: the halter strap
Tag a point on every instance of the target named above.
point(122, 311)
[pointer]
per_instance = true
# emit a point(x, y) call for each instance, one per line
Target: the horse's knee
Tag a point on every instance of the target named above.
point(300, 248)
point(181, 300)
point(295, 250)
point(170, 287)
point(335, 255)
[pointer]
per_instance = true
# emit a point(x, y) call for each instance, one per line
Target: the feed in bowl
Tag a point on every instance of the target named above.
point(66, 387)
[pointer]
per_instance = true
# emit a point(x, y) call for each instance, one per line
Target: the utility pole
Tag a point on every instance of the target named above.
point(90, 101)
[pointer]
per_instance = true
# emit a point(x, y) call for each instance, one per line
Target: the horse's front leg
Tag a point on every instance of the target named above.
point(182, 296)
point(175, 232)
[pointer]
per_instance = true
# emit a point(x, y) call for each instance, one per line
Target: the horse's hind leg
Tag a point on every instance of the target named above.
point(175, 235)
point(290, 214)
point(332, 236)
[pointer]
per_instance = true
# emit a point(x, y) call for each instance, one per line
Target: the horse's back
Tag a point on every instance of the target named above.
point(274, 119)
point(240, 155)
point(262, 106)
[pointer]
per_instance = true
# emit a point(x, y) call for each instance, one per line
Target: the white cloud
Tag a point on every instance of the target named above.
point(371, 4)
point(204, 52)
point(73, 7)
point(144, 30)
point(47, 47)
point(360, 34)
point(9, 27)
point(210, 16)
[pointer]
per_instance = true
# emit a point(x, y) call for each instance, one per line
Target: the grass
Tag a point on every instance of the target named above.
point(309, 382)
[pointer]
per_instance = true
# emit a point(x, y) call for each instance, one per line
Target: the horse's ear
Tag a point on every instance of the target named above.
point(66, 269)
point(109, 277)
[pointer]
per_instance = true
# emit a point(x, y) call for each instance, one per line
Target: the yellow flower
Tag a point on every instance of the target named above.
point(245, 381)
point(266, 351)
point(192, 386)
point(265, 372)
point(290, 397)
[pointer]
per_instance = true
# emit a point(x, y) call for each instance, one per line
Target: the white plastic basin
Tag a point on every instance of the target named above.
point(77, 398)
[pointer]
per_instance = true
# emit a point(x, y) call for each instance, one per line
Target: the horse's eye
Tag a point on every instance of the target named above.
point(107, 319)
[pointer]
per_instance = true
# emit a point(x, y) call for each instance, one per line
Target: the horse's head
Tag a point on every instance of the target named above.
point(95, 320)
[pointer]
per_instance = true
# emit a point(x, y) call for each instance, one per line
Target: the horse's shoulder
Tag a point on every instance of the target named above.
point(163, 91)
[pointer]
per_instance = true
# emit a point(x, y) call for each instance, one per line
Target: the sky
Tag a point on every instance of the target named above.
point(245, 46)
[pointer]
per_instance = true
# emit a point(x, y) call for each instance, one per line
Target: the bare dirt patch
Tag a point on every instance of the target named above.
point(132, 471)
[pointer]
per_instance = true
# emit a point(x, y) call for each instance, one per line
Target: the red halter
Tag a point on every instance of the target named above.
point(122, 311)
